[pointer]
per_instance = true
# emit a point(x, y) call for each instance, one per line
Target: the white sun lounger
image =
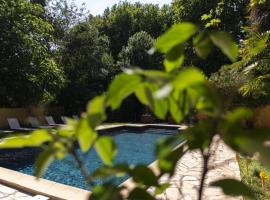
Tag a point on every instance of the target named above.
point(35, 123)
point(64, 119)
point(6, 131)
point(75, 117)
point(51, 122)
point(15, 125)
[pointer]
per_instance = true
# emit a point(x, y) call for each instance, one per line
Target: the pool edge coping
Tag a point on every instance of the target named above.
point(30, 184)
point(58, 191)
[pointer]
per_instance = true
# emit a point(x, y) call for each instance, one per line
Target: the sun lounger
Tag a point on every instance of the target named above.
point(6, 132)
point(15, 125)
point(75, 117)
point(51, 122)
point(64, 119)
point(35, 123)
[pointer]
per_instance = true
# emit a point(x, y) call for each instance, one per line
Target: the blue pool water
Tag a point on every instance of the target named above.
point(134, 147)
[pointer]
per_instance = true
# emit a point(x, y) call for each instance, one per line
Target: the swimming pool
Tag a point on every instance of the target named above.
point(134, 147)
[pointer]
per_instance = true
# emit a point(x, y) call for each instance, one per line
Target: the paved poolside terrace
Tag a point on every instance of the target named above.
point(184, 184)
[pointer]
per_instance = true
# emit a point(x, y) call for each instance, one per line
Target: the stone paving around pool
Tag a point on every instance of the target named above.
point(185, 183)
point(8, 193)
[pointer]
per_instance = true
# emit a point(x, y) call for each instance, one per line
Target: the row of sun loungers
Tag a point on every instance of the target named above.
point(14, 124)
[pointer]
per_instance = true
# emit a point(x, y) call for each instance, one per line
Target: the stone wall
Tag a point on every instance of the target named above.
point(262, 117)
point(22, 114)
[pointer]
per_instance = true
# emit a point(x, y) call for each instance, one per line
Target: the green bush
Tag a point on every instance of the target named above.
point(136, 53)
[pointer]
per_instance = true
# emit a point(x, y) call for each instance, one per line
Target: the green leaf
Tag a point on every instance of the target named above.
point(263, 151)
point(172, 65)
point(164, 91)
point(200, 136)
point(174, 58)
point(233, 188)
point(239, 114)
point(106, 191)
point(248, 141)
point(167, 163)
point(176, 35)
point(121, 87)
point(161, 188)
point(96, 105)
point(143, 175)
point(188, 77)
point(203, 45)
point(107, 171)
point(165, 145)
point(160, 108)
point(34, 139)
point(140, 194)
point(43, 161)
point(179, 105)
point(96, 111)
point(86, 135)
point(235, 118)
point(140, 93)
point(206, 98)
point(61, 149)
point(175, 110)
point(106, 149)
point(155, 75)
point(225, 42)
point(67, 131)
point(167, 155)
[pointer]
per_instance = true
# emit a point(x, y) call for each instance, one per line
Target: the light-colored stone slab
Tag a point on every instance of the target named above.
point(32, 185)
point(186, 181)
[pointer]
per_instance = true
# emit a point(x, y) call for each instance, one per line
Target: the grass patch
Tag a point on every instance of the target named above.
point(252, 172)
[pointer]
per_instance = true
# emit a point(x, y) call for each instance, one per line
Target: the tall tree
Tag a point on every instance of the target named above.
point(88, 65)
point(250, 77)
point(260, 15)
point(255, 65)
point(222, 15)
point(64, 14)
point(29, 74)
point(125, 19)
point(136, 53)
point(232, 14)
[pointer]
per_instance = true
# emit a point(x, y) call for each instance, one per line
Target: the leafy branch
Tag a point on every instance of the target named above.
point(176, 91)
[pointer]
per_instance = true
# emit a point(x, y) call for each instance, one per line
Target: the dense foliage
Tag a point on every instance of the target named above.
point(122, 36)
point(250, 76)
point(29, 73)
point(93, 51)
point(174, 91)
point(63, 14)
point(87, 63)
point(224, 15)
point(125, 19)
point(136, 53)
